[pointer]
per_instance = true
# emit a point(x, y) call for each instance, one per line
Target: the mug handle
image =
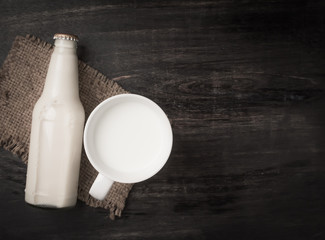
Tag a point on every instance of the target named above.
point(100, 187)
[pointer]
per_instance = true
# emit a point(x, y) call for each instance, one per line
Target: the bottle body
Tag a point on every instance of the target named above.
point(56, 134)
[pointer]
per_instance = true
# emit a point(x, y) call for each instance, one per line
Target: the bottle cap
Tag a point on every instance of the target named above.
point(66, 37)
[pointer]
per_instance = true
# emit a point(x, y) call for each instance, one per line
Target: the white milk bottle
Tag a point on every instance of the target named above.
point(56, 133)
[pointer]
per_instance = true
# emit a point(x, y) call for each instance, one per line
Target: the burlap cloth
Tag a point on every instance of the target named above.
point(21, 83)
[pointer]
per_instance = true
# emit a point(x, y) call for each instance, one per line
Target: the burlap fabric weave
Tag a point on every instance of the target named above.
point(22, 78)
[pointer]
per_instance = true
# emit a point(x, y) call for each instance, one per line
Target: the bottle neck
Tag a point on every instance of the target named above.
point(62, 75)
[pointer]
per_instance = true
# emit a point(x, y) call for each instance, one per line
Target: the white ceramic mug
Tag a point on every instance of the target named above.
point(128, 139)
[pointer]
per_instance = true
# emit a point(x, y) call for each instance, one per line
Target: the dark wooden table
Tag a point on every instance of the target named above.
point(243, 84)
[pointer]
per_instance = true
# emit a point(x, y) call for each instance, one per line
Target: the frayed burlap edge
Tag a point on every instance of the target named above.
point(115, 209)
point(11, 144)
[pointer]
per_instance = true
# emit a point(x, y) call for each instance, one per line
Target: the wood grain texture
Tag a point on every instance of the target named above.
point(243, 85)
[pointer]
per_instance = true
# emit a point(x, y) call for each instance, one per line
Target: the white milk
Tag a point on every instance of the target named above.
point(56, 134)
point(128, 136)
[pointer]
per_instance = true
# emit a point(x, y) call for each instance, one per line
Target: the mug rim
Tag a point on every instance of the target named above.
point(152, 171)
